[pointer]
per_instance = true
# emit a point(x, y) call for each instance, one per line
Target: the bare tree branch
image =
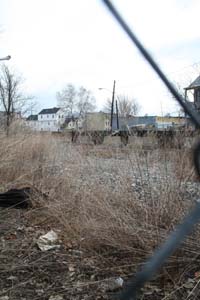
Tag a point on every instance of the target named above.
point(67, 99)
point(12, 99)
point(86, 102)
point(76, 100)
point(126, 106)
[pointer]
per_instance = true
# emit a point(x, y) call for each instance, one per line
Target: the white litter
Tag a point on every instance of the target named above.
point(113, 284)
point(48, 241)
point(56, 297)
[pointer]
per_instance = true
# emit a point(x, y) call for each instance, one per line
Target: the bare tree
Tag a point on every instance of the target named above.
point(67, 99)
point(107, 106)
point(76, 100)
point(12, 100)
point(126, 106)
point(86, 101)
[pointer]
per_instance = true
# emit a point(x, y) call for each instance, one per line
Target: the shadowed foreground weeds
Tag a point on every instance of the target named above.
point(112, 207)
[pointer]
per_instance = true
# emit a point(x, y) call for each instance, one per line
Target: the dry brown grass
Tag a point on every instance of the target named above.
point(93, 191)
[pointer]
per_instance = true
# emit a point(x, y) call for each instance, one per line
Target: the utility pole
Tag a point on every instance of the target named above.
point(117, 115)
point(112, 106)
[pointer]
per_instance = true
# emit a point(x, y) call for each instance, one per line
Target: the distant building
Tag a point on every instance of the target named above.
point(195, 87)
point(131, 121)
point(72, 123)
point(48, 119)
point(32, 122)
point(148, 122)
point(51, 119)
point(169, 122)
point(97, 121)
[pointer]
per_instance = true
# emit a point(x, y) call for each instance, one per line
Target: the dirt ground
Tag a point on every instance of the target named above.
point(26, 272)
point(69, 272)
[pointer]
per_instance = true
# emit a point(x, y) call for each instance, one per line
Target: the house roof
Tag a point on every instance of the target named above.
point(46, 111)
point(194, 84)
point(32, 118)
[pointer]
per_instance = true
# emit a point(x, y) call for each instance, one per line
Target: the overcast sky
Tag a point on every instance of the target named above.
point(55, 42)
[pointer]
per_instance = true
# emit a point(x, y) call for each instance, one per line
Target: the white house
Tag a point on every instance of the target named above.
point(48, 119)
point(32, 122)
point(51, 119)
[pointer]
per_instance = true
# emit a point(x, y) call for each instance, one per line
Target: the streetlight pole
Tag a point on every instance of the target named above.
point(6, 58)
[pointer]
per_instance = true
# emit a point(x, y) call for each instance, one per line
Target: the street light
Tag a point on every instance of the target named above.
point(102, 88)
point(6, 58)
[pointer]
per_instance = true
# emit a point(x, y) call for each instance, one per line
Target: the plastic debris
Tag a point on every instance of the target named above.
point(71, 268)
point(113, 284)
point(48, 241)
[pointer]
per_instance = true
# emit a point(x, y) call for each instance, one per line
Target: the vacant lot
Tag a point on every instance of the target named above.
point(110, 205)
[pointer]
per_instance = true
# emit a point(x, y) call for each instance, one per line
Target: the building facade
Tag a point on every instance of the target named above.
point(32, 122)
point(97, 121)
point(195, 87)
point(51, 119)
point(48, 119)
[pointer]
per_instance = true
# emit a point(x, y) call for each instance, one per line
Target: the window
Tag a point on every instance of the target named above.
point(47, 116)
point(41, 116)
point(52, 116)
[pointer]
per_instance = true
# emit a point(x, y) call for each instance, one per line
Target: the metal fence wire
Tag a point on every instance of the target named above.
point(184, 229)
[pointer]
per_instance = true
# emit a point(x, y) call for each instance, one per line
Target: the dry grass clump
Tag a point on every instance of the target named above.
point(28, 159)
point(128, 201)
